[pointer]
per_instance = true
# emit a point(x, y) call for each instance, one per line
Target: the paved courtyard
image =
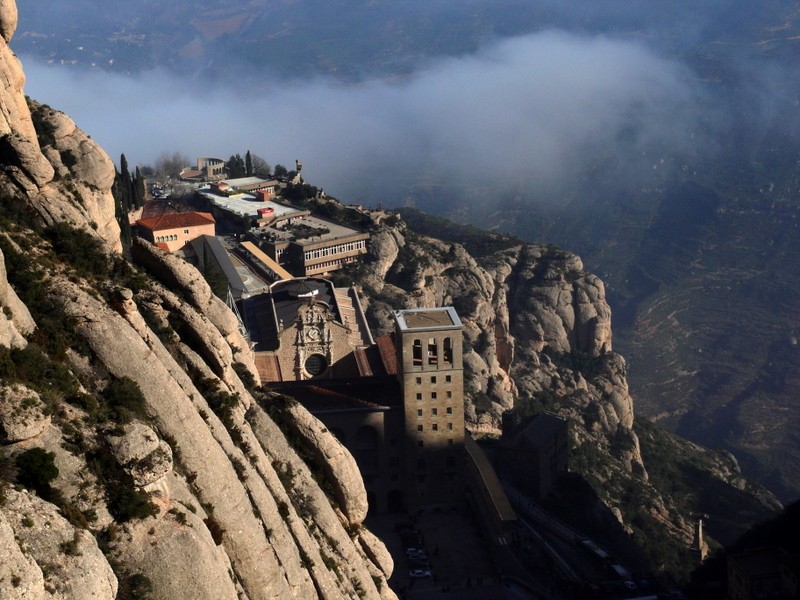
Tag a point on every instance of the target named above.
point(461, 565)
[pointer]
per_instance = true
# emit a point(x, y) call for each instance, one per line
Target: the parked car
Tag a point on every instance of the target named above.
point(420, 573)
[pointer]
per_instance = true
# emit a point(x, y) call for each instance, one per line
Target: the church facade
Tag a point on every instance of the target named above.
point(396, 402)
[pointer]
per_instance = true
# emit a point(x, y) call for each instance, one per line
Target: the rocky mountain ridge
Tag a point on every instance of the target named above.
point(538, 337)
point(130, 407)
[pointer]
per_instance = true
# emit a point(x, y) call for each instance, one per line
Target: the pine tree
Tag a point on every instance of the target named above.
point(248, 164)
point(126, 197)
point(235, 166)
point(120, 192)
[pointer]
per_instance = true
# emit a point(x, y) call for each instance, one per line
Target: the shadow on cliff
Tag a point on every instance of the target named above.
point(575, 502)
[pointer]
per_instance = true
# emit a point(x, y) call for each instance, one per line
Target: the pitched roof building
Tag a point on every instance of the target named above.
point(171, 232)
point(399, 413)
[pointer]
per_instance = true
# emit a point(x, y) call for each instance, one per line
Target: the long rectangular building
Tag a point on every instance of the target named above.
point(296, 240)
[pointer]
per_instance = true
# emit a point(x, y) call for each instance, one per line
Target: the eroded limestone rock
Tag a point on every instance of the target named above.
point(178, 555)
point(339, 465)
point(22, 413)
point(15, 318)
point(142, 454)
point(20, 576)
point(72, 565)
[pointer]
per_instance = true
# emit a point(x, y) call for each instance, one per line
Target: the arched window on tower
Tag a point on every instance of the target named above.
point(433, 352)
point(416, 353)
point(447, 351)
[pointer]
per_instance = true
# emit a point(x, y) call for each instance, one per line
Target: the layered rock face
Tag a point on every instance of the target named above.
point(537, 332)
point(527, 310)
point(160, 469)
point(57, 170)
point(236, 513)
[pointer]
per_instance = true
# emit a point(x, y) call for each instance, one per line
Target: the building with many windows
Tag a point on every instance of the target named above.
point(431, 375)
point(298, 241)
point(172, 231)
point(396, 402)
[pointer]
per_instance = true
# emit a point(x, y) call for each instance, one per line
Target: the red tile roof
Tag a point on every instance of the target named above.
point(316, 398)
point(176, 221)
point(388, 352)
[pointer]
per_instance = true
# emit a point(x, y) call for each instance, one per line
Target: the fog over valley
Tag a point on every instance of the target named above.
point(529, 110)
point(587, 87)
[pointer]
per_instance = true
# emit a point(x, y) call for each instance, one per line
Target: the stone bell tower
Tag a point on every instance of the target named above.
point(430, 369)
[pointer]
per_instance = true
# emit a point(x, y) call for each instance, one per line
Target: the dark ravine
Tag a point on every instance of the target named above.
point(171, 475)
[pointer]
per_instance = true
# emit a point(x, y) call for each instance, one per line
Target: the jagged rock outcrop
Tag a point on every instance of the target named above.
point(180, 472)
point(339, 465)
point(194, 484)
point(67, 560)
point(156, 546)
point(22, 413)
point(20, 577)
point(56, 168)
point(143, 456)
point(272, 550)
point(15, 318)
point(176, 273)
point(523, 308)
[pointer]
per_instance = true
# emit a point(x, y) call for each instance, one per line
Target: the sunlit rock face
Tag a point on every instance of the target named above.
point(46, 160)
point(191, 490)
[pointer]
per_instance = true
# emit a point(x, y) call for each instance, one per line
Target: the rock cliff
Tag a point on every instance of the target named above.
point(529, 313)
point(130, 412)
point(537, 333)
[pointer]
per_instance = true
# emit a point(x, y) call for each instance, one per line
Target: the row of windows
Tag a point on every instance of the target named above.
point(169, 238)
point(336, 249)
point(433, 352)
point(435, 411)
point(447, 379)
point(328, 263)
point(435, 427)
point(435, 396)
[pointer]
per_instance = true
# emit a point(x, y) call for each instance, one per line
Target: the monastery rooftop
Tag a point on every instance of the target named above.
point(428, 318)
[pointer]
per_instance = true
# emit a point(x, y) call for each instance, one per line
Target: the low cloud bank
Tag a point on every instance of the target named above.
point(529, 110)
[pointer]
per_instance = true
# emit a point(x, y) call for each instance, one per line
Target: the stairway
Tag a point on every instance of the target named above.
point(348, 315)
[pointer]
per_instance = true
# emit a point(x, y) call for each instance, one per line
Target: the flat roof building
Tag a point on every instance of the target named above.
point(292, 237)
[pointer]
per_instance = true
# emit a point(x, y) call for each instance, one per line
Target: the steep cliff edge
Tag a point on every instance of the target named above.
point(130, 407)
point(538, 337)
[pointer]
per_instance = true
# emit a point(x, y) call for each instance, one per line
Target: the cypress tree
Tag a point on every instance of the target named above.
point(138, 189)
